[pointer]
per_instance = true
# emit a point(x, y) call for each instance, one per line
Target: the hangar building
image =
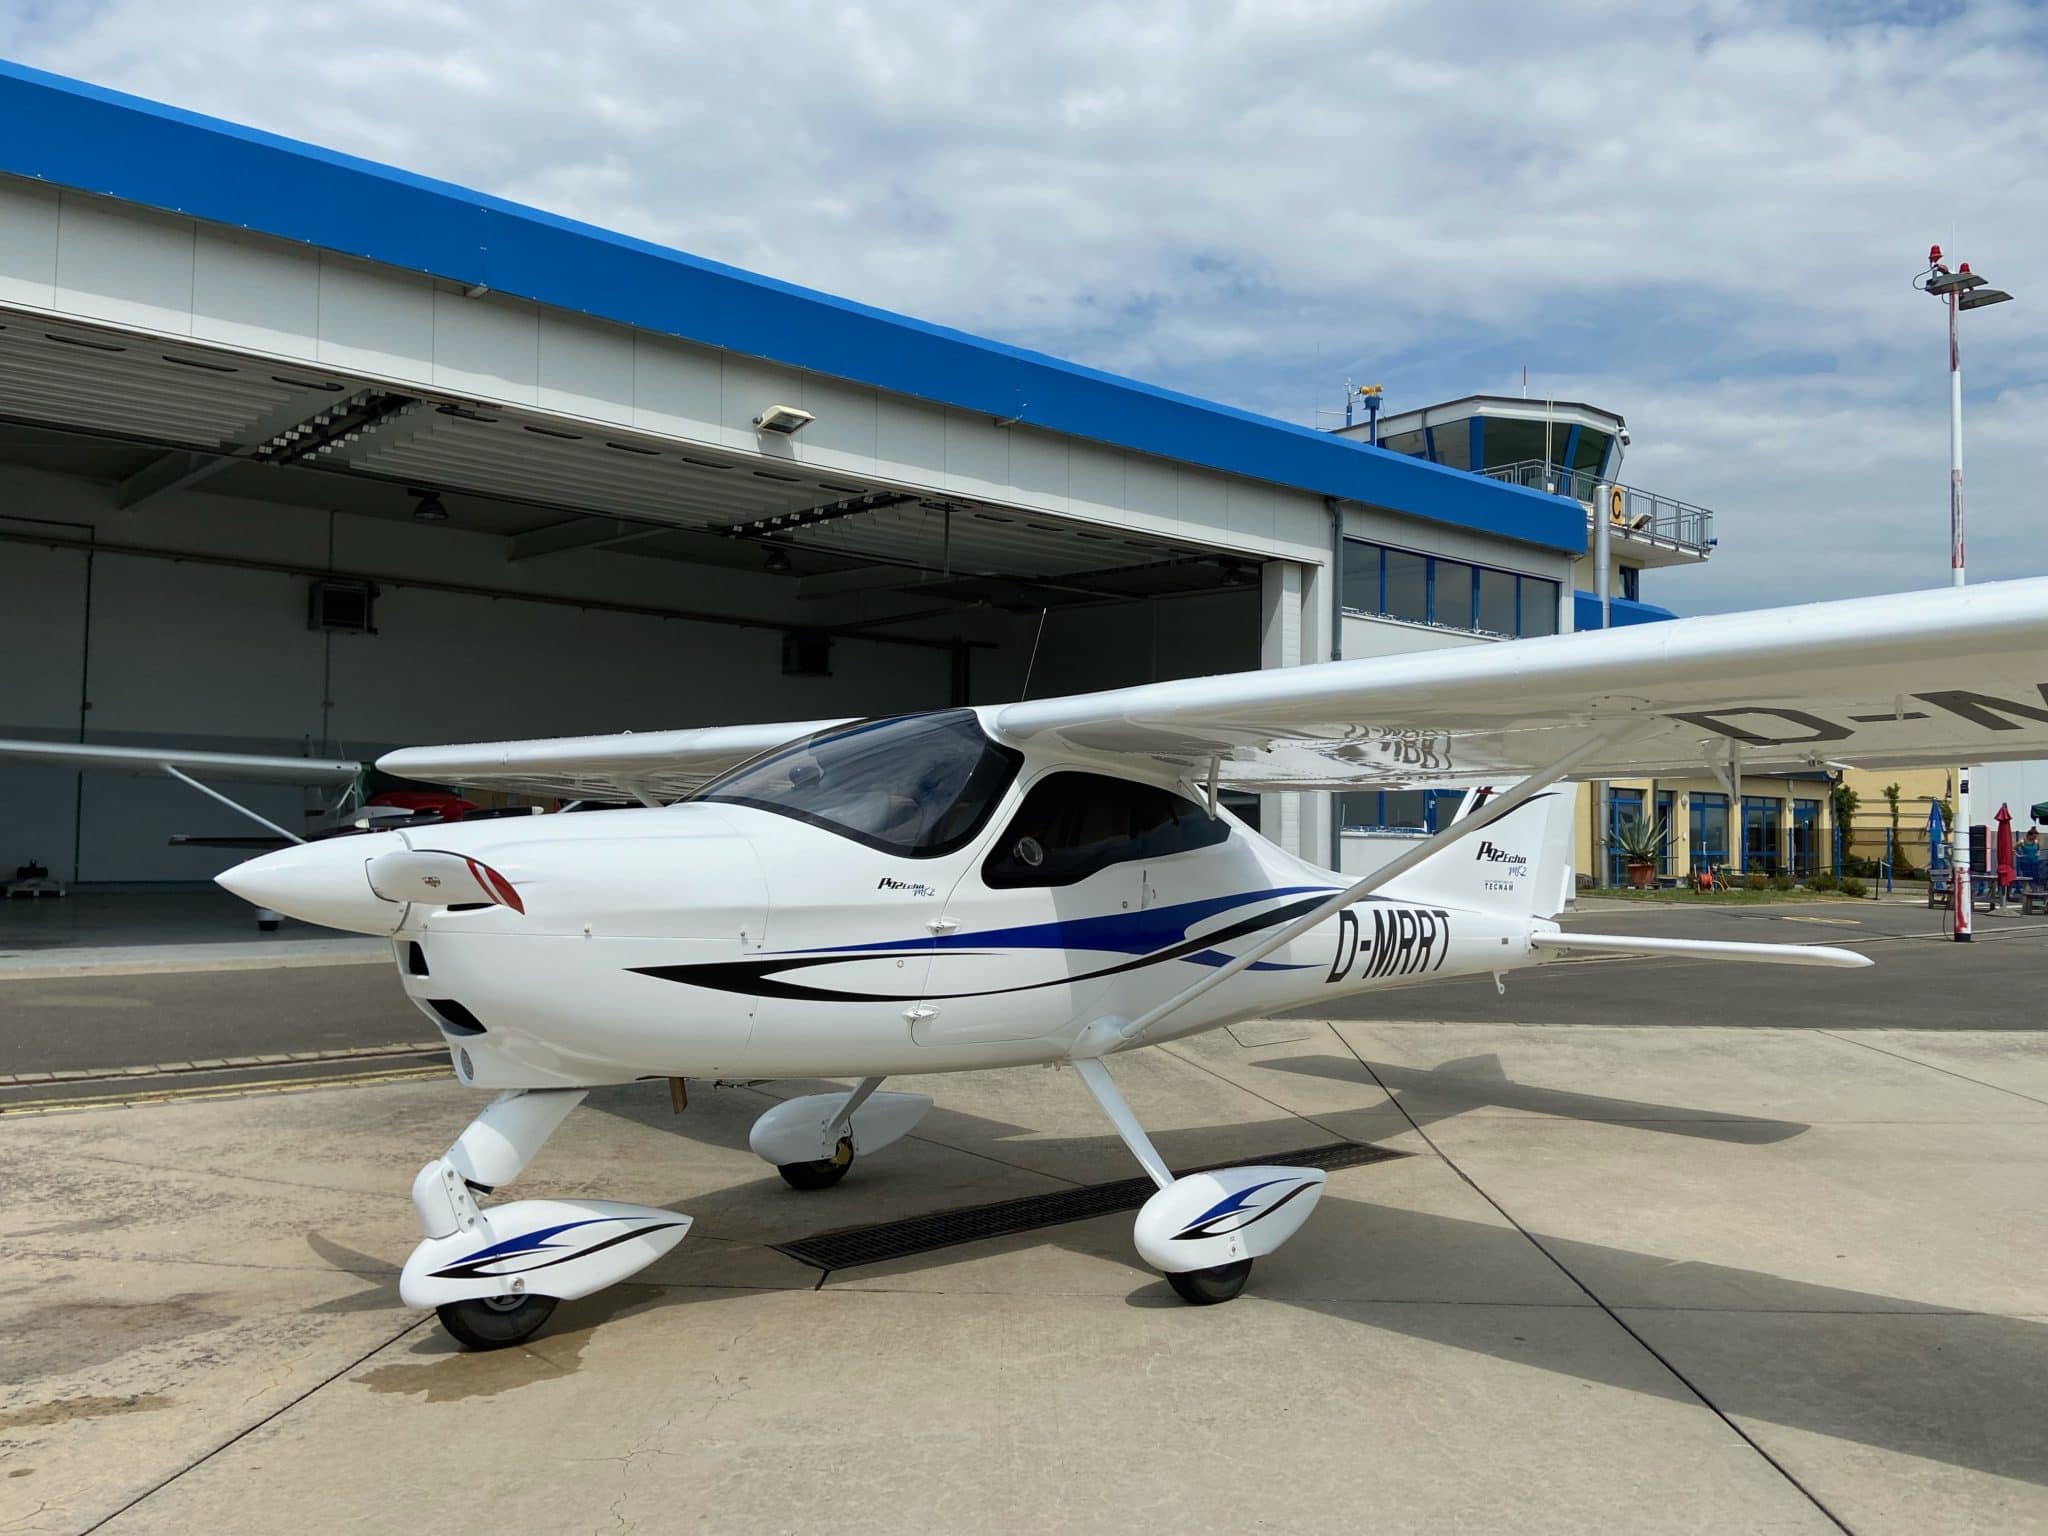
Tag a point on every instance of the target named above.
point(304, 454)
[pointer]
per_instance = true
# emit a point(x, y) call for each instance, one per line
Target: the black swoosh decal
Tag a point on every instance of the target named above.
point(472, 1269)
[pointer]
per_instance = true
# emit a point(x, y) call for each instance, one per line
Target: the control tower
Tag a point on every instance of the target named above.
point(1570, 449)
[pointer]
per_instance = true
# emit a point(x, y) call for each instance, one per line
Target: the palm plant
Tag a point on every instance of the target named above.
point(1640, 841)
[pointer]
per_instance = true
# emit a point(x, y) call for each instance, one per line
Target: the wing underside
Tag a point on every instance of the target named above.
point(653, 766)
point(1947, 676)
point(1955, 675)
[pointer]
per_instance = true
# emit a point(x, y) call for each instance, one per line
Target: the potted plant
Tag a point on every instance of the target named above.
point(1641, 843)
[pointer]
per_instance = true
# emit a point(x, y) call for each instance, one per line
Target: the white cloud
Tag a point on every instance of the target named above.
point(1705, 218)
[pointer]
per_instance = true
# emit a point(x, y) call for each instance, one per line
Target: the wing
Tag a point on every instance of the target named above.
point(243, 767)
point(650, 765)
point(1958, 675)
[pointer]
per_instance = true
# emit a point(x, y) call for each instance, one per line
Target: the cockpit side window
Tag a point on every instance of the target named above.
point(915, 785)
point(1073, 824)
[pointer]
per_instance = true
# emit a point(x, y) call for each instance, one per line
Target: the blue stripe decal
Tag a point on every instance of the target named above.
point(1121, 933)
point(527, 1241)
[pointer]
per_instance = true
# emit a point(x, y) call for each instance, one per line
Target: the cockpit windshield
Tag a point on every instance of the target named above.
point(915, 785)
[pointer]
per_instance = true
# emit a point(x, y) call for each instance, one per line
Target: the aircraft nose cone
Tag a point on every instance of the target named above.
point(321, 883)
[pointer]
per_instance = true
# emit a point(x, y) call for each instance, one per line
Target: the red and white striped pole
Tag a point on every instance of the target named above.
point(1959, 833)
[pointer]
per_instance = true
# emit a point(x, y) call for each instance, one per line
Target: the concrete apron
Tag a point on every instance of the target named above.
point(1645, 1279)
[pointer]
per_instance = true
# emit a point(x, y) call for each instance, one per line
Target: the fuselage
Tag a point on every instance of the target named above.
point(736, 938)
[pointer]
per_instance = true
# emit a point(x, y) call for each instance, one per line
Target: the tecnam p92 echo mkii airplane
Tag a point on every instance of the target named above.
point(1056, 881)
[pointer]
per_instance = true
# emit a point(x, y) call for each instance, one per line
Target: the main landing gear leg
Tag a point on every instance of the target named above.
point(494, 1275)
point(1204, 1230)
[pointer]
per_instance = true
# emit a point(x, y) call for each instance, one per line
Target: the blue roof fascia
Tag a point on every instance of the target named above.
point(1621, 612)
point(71, 134)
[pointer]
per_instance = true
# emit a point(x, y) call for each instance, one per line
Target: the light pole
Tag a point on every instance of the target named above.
point(1958, 290)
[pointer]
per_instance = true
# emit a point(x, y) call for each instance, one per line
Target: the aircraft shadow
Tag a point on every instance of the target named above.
point(1430, 1094)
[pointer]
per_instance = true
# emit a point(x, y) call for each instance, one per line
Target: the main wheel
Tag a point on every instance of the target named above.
point(492, 1322)
point(1206, 1287)
point(821, 1174)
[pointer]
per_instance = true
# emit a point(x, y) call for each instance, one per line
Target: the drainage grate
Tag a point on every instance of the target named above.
point(887, 1240)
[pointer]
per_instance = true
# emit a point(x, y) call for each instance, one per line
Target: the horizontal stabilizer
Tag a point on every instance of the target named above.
point(1701, 949)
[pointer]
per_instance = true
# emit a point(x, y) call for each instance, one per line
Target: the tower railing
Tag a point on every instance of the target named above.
point(1639, 514)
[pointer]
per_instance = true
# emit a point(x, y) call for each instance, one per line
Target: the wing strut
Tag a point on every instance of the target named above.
point(1096, 1079)
point(1097, 1042)
point(233, 805)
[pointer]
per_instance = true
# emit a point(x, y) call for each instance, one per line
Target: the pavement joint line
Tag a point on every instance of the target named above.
point(1932, 1067)
point(243, 1433)
point(217, 1091)
point(30, 966)
point(215, 1064)
point(1614, 1316)
point(1292, 1113)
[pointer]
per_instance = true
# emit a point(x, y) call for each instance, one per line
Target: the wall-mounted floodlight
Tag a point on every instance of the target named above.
point(786, 419)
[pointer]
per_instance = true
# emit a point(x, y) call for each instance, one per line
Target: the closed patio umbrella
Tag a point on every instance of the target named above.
point(1937, 842)
point(2005, 874)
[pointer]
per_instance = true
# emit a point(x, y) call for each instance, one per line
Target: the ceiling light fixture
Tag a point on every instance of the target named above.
point(428, 508)
point(778, 563)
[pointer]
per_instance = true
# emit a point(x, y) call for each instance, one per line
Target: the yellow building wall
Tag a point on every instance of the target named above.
point(1590, 855)
point(1918, 789)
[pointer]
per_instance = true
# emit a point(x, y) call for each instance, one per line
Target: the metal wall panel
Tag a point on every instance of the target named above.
point(254, 294)
point(486, 346)
point(125, 266)
point(677, 390)
point(28, 244)
point(584, 368)
point(376, 321)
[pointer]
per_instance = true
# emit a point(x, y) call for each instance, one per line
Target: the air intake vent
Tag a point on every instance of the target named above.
point(455, 1018)
point(416, 961)
point(342, 607)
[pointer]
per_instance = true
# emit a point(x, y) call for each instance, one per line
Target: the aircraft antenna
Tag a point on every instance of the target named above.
point(1031, 665)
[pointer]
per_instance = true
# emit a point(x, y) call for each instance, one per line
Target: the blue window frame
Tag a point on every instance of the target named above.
point(1707, 827)
point(1397, 810)
point(1763, 837)
point(1805, 837)
point(1624, 809)
point(1385, 582)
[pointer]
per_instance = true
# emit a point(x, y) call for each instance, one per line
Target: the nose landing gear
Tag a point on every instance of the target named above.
point(493, 1275)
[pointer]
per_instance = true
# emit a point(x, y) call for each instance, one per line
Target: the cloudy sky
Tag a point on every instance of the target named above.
point(1705, 216)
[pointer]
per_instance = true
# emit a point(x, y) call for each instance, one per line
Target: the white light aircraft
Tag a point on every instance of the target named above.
point(1056, 881)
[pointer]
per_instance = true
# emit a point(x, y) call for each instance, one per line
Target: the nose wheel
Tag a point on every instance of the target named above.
point(494, 1322)
point(820, 1173)
point(1206, 1287)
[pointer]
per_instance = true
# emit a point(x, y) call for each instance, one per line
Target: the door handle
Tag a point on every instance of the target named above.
point(919, 1012)
point(943, 924)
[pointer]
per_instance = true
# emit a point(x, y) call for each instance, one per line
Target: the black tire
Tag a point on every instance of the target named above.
point(493, 1322)
point(1206, 1287)
point(823, 1173)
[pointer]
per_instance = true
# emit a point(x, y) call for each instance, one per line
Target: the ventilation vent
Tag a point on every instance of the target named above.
point(416, 961)
point(806, 653)
point(342, 607)
point(455, 1018)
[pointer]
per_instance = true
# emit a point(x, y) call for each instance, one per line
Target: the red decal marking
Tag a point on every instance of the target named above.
point(495, 886)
